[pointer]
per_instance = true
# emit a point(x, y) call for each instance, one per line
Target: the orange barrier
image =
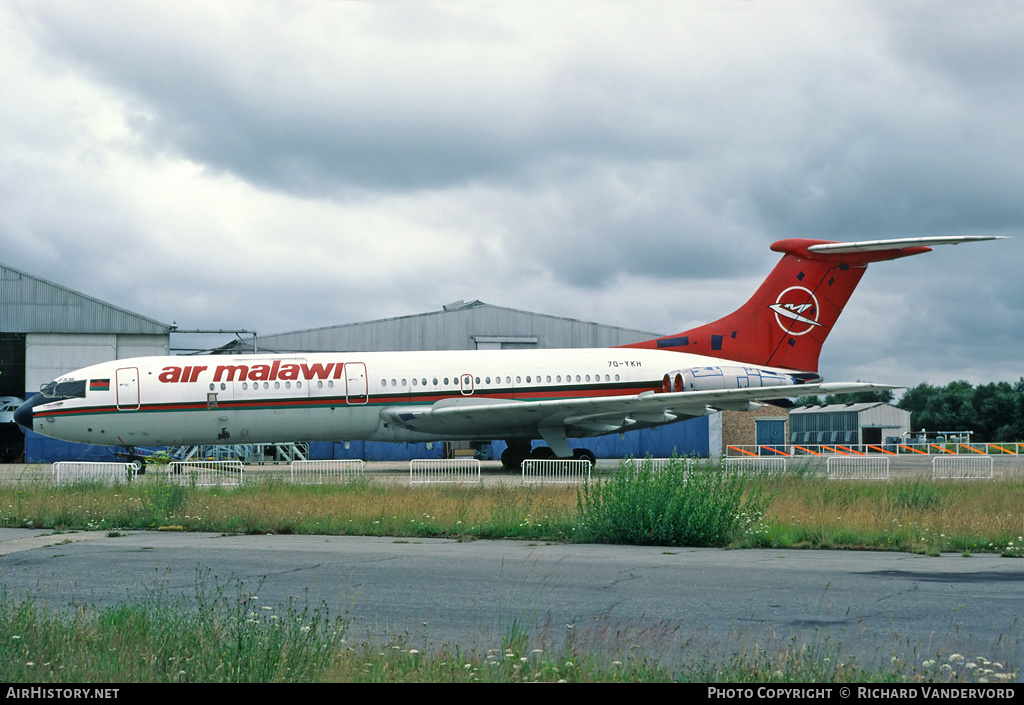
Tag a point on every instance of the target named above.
point(973, 450)
point(1009, 452)
point(807, 450)
point(942, 449)
point(851, 450)
point(913, 450)
point(881, 450)
point(745, 452)
point(774, 451)
point(835, 450)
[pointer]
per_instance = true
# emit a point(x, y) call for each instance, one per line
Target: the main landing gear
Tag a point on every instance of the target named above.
point(136, 462)
point(518, 451)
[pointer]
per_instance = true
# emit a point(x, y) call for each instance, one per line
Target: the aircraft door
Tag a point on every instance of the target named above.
point(355, 383)
point(127, 381)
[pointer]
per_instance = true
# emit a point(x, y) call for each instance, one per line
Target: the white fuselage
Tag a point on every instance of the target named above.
point(158, 401)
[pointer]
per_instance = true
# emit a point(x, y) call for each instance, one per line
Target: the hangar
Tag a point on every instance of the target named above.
point(47, 329)
point(867, 423)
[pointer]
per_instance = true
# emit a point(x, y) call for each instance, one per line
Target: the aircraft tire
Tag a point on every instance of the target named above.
point(512, 460)
point(542, 453)
point(585, 454)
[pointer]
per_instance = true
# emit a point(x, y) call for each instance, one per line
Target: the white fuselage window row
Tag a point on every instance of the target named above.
point(436, 381)
point(530, 379)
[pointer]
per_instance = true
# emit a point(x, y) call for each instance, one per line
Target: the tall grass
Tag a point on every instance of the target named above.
point(684, 503)
point(703, 506)
point(222, 633)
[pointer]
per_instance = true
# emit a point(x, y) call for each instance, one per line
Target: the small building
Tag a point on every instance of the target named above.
point(766, 427)
point(869, 423)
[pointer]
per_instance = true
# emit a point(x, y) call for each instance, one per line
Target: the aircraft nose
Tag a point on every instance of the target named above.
point(23, 414)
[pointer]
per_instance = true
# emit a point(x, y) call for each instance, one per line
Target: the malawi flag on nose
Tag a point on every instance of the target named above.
point(99, 385)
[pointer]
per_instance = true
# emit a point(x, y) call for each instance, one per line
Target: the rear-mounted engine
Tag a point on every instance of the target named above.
point(706, 379)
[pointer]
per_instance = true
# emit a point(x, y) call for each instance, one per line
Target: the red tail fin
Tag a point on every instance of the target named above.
point(785, 322)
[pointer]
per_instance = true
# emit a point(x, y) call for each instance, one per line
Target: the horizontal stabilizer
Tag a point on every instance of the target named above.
point(898, 244)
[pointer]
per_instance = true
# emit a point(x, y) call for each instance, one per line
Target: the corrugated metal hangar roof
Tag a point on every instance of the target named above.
point(458, 326)
point(29, 304)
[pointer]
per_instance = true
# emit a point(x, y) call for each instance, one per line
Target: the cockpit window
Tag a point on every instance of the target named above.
point(64, 390)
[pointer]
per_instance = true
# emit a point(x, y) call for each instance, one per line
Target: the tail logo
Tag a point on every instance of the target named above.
point(796, 304)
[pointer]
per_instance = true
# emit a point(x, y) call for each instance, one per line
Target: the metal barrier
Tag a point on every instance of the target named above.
point(756, 466)
point(65, 473)
point(205, 473)
point(976, 467)
point(857, 468)
point(554, 471)
point(319, 472)
point(444, 471)
point(919, 449)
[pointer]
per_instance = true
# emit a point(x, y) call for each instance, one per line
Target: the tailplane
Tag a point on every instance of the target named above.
point(786, 321)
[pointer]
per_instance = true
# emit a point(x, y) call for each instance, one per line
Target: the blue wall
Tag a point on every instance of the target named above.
point(685, 438)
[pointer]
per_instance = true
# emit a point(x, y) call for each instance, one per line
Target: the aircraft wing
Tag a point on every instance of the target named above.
point(591, 416)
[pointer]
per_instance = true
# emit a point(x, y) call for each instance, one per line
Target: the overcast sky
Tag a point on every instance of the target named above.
point(288, 165)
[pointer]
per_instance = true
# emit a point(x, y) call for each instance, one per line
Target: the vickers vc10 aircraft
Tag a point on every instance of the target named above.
point(767, 349)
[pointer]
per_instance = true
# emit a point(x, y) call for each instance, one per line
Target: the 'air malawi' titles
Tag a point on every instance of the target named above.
point(276, 370)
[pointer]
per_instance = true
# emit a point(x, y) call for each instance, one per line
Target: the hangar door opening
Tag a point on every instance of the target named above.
point(12, 391)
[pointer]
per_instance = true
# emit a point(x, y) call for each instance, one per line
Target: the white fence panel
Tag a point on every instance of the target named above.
point(841, 467)
point(963, 467)
point(566, 472)
point(319, 472)
point(205, 473)
point(756, 466)
point(444, 471)
point(65, 473)
point(655, 465)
